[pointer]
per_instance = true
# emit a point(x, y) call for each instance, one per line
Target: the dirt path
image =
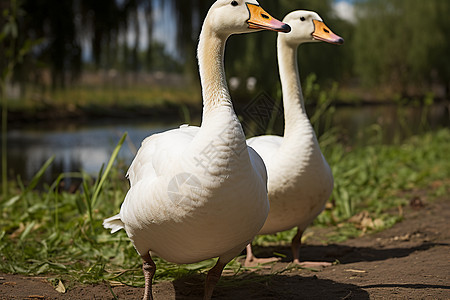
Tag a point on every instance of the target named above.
point(409, 261)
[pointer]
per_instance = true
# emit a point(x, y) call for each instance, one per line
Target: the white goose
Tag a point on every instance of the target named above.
point(299, 178)
point(200, 192)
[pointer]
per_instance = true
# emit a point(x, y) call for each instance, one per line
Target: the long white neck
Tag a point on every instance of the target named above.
point(299, 153)
point(215, 92)
point(294, 108)
point(220, 126)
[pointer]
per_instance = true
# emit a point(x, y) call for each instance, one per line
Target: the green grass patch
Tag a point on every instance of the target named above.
point(54, 232)
point(377, 179)
point(105, 97)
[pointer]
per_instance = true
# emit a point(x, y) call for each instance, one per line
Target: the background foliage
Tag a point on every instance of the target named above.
point(400, 45)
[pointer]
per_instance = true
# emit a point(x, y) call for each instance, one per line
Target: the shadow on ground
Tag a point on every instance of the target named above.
point(342, 253)
point(278, 286)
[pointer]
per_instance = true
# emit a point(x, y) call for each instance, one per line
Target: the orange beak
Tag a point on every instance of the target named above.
point(323, 33)
point(260, 19)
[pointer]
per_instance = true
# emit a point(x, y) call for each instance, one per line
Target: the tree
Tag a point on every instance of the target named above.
point(12, 54)
point(329, 62)
point(64, 25)
point(402, 43)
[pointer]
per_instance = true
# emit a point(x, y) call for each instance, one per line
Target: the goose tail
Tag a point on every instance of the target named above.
point(114, 223)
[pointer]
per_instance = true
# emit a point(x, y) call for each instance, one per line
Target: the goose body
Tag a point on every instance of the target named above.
point(287, 179)
point(186, 203)
point(299, 178)
point(200, 192)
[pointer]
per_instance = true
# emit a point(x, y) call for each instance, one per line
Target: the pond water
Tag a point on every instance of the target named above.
point(76, 147)
point(88, 146)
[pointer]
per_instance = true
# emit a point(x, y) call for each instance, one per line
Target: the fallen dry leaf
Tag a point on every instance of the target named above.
point(363, 221)
point(18, 231)
point(366, 223)
point(378, 223)
point(60, 288)
point(116, 283)
point(355, 271)
point(358, 218)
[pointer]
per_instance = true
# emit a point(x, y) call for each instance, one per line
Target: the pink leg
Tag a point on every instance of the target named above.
point(251, 260)
point(212, 278)
point(295, 246)
point(149, 269)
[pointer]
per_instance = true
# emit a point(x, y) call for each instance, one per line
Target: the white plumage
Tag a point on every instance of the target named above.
point(299, 178)
point(224, 205)
point(200, 192)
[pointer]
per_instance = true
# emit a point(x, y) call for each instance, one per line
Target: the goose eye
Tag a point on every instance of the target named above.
point(234, 3)
point(302, 19)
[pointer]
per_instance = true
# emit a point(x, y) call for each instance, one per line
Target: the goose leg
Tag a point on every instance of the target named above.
point(213, 277)
point(251, 260)
point(295, 247)
point(214, 274)
point(149, 269)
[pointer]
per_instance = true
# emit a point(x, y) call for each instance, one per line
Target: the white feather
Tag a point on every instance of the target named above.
point(299, 178)
point(198, 192)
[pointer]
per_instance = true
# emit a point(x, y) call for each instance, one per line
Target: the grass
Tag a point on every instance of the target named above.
point(54, 232)
point(376, 180)
point(90, 97)
point(379, 178)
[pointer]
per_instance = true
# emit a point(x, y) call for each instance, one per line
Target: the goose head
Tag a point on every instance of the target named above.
point(228, 17)
point(308, 26)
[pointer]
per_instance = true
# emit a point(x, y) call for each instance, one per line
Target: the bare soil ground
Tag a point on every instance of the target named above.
point(408, 261)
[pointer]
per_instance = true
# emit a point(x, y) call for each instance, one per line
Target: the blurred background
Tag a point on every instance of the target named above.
point(77, 74)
